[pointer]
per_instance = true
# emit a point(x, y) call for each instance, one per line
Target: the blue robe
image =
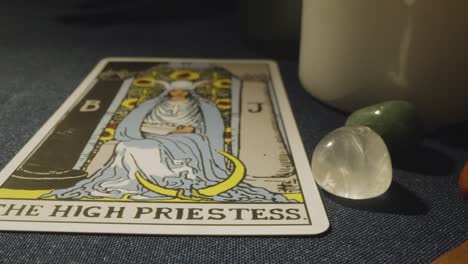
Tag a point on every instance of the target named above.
point(175, 161)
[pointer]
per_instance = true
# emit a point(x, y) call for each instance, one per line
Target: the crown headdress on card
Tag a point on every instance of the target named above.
point(180, 84)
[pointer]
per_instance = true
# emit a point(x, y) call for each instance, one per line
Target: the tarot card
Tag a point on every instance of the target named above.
point(167, 146)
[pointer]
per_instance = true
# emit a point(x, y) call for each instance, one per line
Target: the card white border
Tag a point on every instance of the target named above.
point(310, 191)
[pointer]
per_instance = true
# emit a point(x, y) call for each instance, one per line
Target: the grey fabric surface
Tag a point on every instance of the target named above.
point(44, 55)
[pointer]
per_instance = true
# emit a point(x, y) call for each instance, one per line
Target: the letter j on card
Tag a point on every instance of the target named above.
point(167, 146)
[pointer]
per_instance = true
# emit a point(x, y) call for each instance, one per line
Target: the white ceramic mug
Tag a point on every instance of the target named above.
point(360, 52)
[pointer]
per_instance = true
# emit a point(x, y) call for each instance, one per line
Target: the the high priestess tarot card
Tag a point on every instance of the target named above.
point(167, 146)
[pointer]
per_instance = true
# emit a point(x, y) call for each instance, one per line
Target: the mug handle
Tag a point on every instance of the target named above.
point(399, 75)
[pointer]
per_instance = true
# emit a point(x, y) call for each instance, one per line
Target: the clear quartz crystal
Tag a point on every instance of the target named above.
point(352, 162)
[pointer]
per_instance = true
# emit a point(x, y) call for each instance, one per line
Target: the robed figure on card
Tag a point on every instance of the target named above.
point(171, 147)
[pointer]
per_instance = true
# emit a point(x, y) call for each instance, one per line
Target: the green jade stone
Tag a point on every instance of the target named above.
point(397, 122)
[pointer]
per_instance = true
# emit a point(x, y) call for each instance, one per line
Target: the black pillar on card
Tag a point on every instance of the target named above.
point(50, 165)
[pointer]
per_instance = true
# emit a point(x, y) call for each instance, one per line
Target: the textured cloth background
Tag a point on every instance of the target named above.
point(45, 51)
